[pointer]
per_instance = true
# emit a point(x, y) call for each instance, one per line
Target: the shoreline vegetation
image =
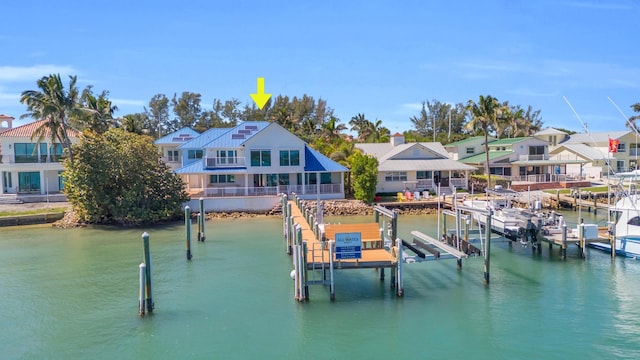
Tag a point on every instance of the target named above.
point(332, 208)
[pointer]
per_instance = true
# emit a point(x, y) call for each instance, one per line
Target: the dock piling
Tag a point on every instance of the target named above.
point(332, 289)
point(399, 285)
point(147, 262)
point(563, 250)
point(487, 246)
point(201, 236)
point(187, 225)
point(141, 299)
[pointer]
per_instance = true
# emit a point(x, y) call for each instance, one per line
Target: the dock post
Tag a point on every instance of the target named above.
point(563, 250)
point(141, 300)
point(305, 270)
point(558, 199)
point(444, 224)
point(613, 240)
point(399, 287)
point(147, 262)
point(201, 236)
point(595, 204)
point(296, 277)
point(539, 236)
point(487, 246)
point(187, 225)
point(581, 239)
point(332, 290)
point(394, 237)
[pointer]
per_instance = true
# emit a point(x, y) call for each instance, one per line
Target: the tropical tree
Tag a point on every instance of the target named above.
point(364, 176)
point(96, 112)
point(56, 105)
point(158, 115)
point(485, 115)
point(361, 126)
point(135, 123)
point(120, 178)
point(633, 119)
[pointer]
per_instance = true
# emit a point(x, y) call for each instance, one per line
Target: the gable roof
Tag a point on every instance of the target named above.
point(238, 135)
point(27, 130)
point(583, 150)
point(509, 141)
point(385, 151)
point(550, 131)
point(315, 161)
point(424, 165)
point(204, 138)
point(468, 140)
point(481, 158)
point(178, 137)
point(596, 137)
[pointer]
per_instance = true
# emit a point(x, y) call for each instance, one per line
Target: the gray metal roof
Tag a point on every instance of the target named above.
point(197, 167)
point(424, 165)
point(584, 151)
point(238, 135)
point(549, 131)
point(204, 138)
point(596, 137)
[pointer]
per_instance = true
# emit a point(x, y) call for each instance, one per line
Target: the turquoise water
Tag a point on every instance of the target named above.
point(73, 294)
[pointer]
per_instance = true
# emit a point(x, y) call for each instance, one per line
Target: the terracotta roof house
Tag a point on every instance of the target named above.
point(28, 167)
point(246, 167)
point(415, 166)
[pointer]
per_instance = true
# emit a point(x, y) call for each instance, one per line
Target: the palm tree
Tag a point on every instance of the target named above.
point(97, 111)
point(361, 125)
point(485, 115)
point(331, 129)
point(56, 105)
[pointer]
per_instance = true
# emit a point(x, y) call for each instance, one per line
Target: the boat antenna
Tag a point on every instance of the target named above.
point(627, 119)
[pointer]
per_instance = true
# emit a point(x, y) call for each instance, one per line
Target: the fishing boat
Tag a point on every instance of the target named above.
point(625, 227)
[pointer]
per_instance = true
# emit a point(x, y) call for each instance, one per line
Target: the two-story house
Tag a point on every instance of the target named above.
point(415, 166)
point(467, 147)
point(168, 146)
point(255, 159)
point(28, 167)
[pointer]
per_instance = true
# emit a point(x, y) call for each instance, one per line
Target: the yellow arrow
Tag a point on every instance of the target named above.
point(260, 98)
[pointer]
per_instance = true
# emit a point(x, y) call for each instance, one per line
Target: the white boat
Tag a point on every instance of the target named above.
point(507, 221)
point(626, 227)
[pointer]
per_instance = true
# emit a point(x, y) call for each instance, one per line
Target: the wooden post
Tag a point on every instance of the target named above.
point(304, 270)
point(394, 236)
point(141, 300)
point(563, 250)
point(147, 262)
point(613, 239)
point(444, 224)
point(487, 246)
point(187, 225)
point(399, 285)
point(595, 204)
point(558, 199)
point(201, 236)
point(332, 290)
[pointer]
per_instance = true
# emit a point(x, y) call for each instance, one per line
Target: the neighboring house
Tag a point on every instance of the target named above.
point(28, 167)
point(168, 146)
point(256, 158)
point(522, 159)
point(467, 147)
point(415, 166)
point(551, 136)
point(594, 148)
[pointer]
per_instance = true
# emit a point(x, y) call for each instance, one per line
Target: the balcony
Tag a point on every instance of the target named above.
point(223, 162)
point(533, 157)
point(29, 159)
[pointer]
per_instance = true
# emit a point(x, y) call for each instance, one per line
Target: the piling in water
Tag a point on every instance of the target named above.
point(187, 225)
point(141, 300)
point(201, 236)
point(147, 262)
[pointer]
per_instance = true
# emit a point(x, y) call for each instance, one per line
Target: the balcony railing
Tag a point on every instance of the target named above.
point(269, 190)
point(29, 159)
point(224, 162)
point(533, 157)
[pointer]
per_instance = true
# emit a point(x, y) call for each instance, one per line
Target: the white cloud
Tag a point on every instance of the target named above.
point(130, 102)
point(32, 73)
point(412, 106)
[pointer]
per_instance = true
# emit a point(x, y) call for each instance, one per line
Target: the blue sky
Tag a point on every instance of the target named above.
point(380, 58)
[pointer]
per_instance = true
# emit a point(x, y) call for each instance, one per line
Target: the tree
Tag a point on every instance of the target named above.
point(135, 123)
point(485, 115)
point(633, 119)
point(97, 111)
point(439, 121)
point(56, 105)
point(120, 178)
point(158, 114)
point(187, 109)
point(364, 176)
point(517, 122)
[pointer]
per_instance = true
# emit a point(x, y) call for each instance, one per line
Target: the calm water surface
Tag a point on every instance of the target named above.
point(72, 294)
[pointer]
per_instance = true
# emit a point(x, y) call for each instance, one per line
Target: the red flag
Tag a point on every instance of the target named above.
point(613, 145)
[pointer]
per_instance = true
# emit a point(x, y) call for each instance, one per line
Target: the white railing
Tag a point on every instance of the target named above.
point(228, 191)
point(458, 182)
point(424, 184)
point(216, 162)
point(533, 157)
point(543, 178)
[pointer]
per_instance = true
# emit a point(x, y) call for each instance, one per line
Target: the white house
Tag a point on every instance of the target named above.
point(254, 160)
point(467, 147)
point(28, 167)
point(415, 166)
point(168, 146)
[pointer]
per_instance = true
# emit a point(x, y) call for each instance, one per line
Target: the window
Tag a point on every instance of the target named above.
point(289, 157)
point(634, 221)
point(421, 175)
point(56, 152)
point(536, 150)
point(25, 152)
point(470, 150)
point(43, 152)
point(395, 176)
point(222, 179)
point(283, 179)
point(194, 154)
point(227, 156)
point(622, 147)
point(173, 155)
point(29, 181)
point(261, 158)
point(325, 178)
point(272, 179)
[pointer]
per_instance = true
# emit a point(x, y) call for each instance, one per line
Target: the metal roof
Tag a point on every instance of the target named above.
point(238, 135)
point(596, 137)
point(508, 141)
point(178, 137)
point(481, 158)
point(315, 161)
point(471, 139)
point(550, 131)
point(197, 167)
point(424, 165)
point(204, 138)
point(582, 150)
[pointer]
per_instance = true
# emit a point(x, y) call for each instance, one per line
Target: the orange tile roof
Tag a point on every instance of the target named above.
point(27, 130)
point(5, 116)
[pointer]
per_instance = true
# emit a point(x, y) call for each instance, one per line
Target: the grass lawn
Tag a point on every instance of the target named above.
point(595, 189)
point(33, 211)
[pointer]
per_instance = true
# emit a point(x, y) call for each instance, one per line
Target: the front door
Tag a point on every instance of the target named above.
point(29, 181)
